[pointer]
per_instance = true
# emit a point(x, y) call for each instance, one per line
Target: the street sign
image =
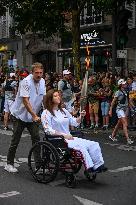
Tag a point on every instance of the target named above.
point(121, 53)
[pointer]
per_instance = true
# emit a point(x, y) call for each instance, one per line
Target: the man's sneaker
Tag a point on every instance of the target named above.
point(10, 168)
point(129, 141)
point(96, 126)
point(113, 139)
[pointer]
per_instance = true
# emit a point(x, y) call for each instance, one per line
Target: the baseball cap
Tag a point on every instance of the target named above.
point(66, 72)
point(12, 74)
point(24, 74)
point(121, 82)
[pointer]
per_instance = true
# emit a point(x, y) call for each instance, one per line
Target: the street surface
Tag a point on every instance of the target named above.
point(115, 187)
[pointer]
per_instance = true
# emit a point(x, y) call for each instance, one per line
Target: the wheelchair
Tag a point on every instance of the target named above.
point(54, 157)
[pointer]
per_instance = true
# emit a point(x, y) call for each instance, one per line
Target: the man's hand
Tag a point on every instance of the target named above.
point(69, 137)
point(36, 119)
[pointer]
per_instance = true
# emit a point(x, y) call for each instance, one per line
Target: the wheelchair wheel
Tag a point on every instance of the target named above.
point(70, 180)
point(90, 176)
point(45, 168)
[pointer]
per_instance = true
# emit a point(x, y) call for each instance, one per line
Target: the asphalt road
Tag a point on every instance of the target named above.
point(115, 187)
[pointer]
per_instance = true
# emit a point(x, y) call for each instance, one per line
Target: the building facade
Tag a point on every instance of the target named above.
point(11, 42)
point(26, 49)
point(56, 53)
point(95, 30)
point(131, 44)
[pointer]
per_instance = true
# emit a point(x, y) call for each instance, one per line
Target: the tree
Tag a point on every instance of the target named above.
point(114, 7)
point(48, 17)
point(36, 15)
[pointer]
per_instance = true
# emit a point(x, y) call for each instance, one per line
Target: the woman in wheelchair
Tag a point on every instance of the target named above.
point(56, 121)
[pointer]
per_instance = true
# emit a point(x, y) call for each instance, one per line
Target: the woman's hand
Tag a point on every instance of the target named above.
point(68, 137)
point(110, 112)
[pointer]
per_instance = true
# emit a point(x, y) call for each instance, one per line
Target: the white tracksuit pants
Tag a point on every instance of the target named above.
point(90, 150)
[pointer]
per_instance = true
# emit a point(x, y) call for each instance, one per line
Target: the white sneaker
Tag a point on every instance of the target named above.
point(129, 141)
point(113, 139)
point(6, 128)
point(96, 126)
point(10, 168)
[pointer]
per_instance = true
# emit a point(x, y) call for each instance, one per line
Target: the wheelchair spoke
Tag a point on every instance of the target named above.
point(45, 169)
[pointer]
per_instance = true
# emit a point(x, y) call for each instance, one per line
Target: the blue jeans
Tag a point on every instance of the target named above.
point(105, 106)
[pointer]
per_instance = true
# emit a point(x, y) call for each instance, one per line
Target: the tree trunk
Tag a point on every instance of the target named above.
point(114, 43)
point(76, 42)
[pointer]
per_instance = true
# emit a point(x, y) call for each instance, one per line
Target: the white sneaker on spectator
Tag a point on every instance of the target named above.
point(10, 168)
point(92, 126)
point(129, 141)
point(113, 139)
point(6, 128)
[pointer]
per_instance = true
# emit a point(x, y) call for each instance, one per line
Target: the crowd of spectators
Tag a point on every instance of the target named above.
point(101, 89)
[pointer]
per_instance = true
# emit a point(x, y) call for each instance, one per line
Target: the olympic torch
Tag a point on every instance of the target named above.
point(83, 99)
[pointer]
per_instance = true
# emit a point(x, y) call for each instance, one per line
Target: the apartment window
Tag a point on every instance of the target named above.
point(4, 25)
point(90, 16)
point(131, 21)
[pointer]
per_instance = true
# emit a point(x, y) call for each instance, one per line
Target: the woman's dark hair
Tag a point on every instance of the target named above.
point(48, 102)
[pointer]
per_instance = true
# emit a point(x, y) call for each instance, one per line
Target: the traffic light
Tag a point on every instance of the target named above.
point(122, 25)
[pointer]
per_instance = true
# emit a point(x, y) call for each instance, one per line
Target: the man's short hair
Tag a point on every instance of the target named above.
point(37, 65)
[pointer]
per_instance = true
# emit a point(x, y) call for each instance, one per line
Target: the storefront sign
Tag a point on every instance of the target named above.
point(92, 38)
point(89, 36)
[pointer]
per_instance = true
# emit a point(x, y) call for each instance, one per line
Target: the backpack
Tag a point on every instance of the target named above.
point(123, 100)
point(65, 87)
point(8, 86)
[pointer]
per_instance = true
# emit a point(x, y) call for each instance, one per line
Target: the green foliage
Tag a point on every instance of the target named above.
point(109, 6)
point(37, 15)
point(47, 16)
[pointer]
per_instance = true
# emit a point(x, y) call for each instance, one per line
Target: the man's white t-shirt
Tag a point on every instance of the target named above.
point(35, 92)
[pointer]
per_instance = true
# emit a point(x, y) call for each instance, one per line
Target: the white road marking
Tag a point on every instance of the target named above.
point(9, 194)
point(111, 144)
point(10, 133)
point(122, 169)
point(3, 157)
point(17, 163)
point(22, 160)
point(3, 164)
point(123, 147)
point(127, 148)
point(86, 201)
